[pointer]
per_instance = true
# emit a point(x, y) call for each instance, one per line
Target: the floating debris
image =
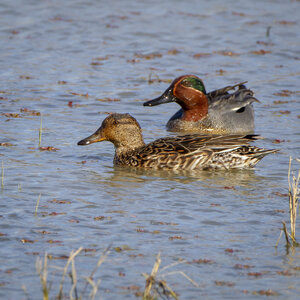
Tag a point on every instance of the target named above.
point(261, 52)
point(49, 148)
point(30, 112)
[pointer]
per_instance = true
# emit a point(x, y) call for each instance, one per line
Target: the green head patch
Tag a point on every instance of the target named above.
point(195, 83)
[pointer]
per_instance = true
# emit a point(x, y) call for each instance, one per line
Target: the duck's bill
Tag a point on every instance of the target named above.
point(166, 97)
point(157, 101)
point(94, 138)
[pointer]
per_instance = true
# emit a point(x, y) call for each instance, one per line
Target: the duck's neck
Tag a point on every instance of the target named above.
point(194, 111)
point(132, 143)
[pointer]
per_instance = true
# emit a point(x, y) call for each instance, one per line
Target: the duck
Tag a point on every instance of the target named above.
point(185, 152)
point(217, 112)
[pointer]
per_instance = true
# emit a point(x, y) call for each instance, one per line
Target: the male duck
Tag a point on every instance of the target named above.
point(217, 112)
point(188, 152)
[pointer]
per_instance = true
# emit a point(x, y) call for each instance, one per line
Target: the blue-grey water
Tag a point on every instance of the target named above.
point(75, 61)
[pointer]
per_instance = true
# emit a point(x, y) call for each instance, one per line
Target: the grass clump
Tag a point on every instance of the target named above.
point(42, 270)
point(156, 287)
point(293, 182)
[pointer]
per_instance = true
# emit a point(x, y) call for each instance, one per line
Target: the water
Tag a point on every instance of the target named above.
point(68, 60)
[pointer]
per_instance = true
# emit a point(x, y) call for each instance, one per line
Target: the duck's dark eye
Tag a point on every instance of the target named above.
point(186, 83)
point(242, 109)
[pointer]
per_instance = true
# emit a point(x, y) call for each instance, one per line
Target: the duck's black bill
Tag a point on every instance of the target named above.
point(166, 97)
point(83, 142)
point(157, 101)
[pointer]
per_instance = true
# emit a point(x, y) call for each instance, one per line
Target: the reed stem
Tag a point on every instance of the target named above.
point(42, 271)
point(293, 200)
point(37, 204)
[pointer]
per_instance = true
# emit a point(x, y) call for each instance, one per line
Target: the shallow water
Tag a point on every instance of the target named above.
point(68, 60)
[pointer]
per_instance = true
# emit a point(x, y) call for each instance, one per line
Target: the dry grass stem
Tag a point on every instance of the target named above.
point(25, 291)
point(37, 205)
point(286, 234)
point(279, 238)
point(156, 286)
point(42, 272)
point(90, 280)
point(293, 199)
point(71, 258)
point(167, 290)
point(173, 264)
point(41, 268)
point(293, 206)
point(94, 285)
point(184, 275)
point(73, 276)
point(150, 280)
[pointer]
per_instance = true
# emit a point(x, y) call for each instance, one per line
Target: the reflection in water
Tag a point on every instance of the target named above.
point(244, 178)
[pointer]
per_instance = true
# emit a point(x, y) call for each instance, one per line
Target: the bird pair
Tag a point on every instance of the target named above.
point(218, 128)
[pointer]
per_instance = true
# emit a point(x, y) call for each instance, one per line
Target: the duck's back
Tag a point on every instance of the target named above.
point(234, 112)
point(195, 152)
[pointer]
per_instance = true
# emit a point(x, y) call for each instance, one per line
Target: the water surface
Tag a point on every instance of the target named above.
point(74, 61)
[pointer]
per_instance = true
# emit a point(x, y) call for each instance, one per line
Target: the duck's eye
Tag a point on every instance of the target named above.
point(240, 110)
point(115, 122)
point(186, 82)
point(194, 83)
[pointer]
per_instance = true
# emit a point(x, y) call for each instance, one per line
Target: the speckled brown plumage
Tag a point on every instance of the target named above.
point(188, 152)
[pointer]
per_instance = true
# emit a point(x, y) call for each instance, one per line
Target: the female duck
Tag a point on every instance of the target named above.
point(188, 152)
point(217, 112)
